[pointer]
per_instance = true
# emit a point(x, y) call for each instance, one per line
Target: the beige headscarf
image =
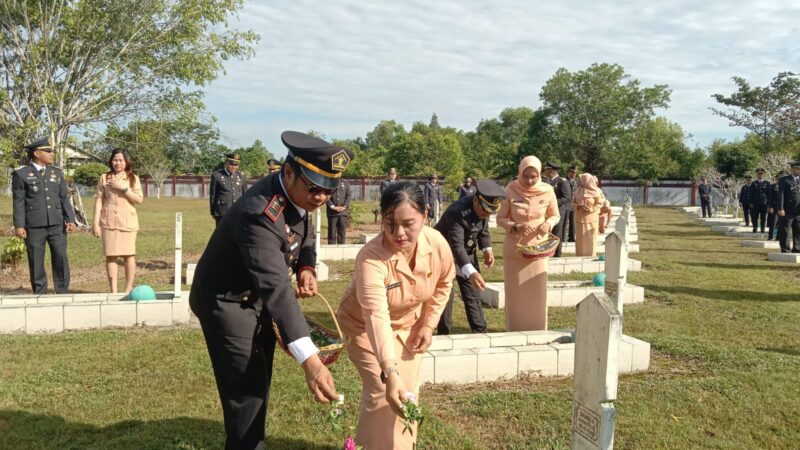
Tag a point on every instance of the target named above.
point(538, 187)
point(587, 188)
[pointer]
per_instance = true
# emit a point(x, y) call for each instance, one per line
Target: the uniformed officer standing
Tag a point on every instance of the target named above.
point(467, 188)
point(744, 199)
point(243, 285)
point(563, 198)
point(789, 212)
point(391, 177)
point(227, 185)
point(273, 165)
point(338, 211)
point(573, 184)
point(433, 199)
point(42, 211)
point(704, 191)
point(759, 200)
point(466, 229)
point(772, 210)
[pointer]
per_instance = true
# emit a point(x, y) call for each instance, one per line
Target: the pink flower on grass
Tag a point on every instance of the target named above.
point(349, 444)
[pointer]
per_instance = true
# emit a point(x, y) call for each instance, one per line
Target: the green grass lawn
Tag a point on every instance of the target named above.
point(724, 324)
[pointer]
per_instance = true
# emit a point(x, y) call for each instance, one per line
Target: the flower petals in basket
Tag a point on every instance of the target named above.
point(543, 249)
point(329, 342)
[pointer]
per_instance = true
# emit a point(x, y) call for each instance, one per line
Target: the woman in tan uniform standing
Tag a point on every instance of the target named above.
point(528, 213)
point(587, 202)
point(402, 283)
point(115, 218)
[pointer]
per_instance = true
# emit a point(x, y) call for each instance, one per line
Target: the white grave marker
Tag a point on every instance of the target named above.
point(616, 268)
point(597, 340)
point(178, 255)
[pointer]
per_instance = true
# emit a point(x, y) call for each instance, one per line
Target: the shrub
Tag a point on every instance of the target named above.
point(13, 252)
point(88, 174)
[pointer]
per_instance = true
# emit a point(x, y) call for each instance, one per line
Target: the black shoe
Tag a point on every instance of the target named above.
point(795, 251)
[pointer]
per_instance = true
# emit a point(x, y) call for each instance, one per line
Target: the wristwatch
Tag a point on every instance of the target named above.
point(385, 373)
point(125, 190)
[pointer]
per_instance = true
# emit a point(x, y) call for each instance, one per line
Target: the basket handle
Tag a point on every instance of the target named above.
point(335, 320)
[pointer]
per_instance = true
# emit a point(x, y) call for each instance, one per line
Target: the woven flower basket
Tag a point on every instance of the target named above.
point(330, 342)
point(543, 249)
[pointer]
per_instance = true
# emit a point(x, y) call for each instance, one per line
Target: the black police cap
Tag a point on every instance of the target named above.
point(795, 163)
point(233, 158)
point(490, 194)
point(553, 166)
point(321, 162)
point(40, 143)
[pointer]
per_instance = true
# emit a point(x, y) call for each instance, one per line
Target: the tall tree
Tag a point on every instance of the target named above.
point(592, 109)
point(66, 63)
point(771, 112)
point(737, 158)
point(420, 155)
point(655, 149)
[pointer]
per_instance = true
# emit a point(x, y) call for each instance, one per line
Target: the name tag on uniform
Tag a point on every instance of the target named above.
point(294, 246)
point(517, 201)
point(394, 285)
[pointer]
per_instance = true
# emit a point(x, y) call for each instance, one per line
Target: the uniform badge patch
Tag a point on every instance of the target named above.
point(339, 161)
point(275, 207)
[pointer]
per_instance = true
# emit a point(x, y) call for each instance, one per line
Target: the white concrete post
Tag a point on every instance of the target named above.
point(616, 268)
point(178, 254)
point(597, 340)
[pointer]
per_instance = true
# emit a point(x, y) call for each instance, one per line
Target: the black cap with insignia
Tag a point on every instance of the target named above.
point(233, 158)
point(319, 161)
point(795, 163)
point(273, 164)
point(553, 166)
point(39, 143)
point(490, 194)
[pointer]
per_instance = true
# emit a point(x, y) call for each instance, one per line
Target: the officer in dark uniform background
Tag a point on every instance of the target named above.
point(772, 210)
point(466, 188)
point(43, 213)
point(466, 229)
point(227, 185)
point(434, 198)
point(391, 177)
point(273, 165)
point(243, 284)
point(563, 193)
point(759, 200)
point(744, 199)
point(338, 211)
point(570, 223)
point(789, 212)
point(704, 192)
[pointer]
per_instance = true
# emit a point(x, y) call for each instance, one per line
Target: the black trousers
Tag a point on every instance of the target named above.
point(472, 304)
point(758, 213)
point(705, 206)
point(746, 213)
point(560, 231)
point(772, 220)
point(241, 352)
point(336, 228)
point(571, 225)
point(784, 224)
point(56, 238)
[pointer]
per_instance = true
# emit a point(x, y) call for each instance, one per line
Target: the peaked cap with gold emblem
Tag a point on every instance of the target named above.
point(321, 162)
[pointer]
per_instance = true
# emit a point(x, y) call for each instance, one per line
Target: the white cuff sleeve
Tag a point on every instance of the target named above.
point(487, 249)
point(302, 349)
point(468, 270)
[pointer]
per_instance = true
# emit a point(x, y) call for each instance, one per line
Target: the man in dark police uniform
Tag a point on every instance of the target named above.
point(759, 200)
point(563, 192)
point(243, 284)
point(465, 227)
point(227, 185)
point(744, 199)
point(789, 210)
point(338, 211)
point(43, 213)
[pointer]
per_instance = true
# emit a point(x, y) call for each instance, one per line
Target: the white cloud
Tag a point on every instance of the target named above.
point(341, 67)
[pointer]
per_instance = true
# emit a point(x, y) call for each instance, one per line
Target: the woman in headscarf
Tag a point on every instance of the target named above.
point(605, 209)
point(587, 203)
point(528, 213)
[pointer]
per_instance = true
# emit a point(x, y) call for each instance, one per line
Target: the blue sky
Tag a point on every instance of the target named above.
point(339, 67)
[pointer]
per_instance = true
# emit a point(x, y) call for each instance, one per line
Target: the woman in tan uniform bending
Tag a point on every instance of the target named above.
point(587, 202)
point(402, 283)
point(528, 213)
point(115, 218)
